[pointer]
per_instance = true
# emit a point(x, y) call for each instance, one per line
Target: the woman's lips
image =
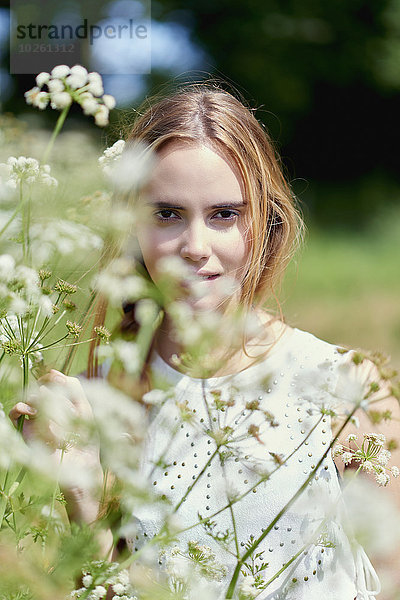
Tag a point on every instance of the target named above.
point(210, 277)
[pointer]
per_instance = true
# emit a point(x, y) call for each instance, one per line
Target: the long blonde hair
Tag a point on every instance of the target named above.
point(205, 113)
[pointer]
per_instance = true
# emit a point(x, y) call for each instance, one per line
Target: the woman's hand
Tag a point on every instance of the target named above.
point(61, 417)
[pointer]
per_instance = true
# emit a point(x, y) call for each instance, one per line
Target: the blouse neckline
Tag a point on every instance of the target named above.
point(175, 376)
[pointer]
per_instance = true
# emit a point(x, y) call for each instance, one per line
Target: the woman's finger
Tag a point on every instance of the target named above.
point(72, 389)
point(19, 409)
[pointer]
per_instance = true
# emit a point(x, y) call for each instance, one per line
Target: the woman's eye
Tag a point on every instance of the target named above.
point(227, 214)
point(165, 214)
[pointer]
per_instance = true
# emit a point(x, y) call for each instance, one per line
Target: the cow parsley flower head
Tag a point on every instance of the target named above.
point(347, 457)
point(127, 166)
point(119, 283)
point(87, 580)
point(110, 155)
point(247, 587)
point(382, 479)
point(72, 84)
point(63, 237)
point(26, 170)
point(370, 455)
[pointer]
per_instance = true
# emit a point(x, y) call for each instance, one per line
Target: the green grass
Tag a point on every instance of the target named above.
point(345, 287)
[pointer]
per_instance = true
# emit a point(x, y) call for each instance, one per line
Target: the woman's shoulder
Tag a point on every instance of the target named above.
point(292, 343)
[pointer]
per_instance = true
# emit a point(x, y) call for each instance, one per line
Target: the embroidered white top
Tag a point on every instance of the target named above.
point(257, 438)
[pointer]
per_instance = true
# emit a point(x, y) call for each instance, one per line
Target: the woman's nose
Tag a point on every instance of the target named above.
point(195, 242)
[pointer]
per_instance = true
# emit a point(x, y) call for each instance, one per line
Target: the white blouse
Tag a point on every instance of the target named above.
point(276, 439)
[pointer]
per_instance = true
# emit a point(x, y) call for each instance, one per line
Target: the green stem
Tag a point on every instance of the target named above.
point(293, 499)
point(56, 131)
point(54, 496)
point(11, 219)
point(54, 343)
point(25, 379)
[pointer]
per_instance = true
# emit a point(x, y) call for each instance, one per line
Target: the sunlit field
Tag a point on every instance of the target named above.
point(345, 287)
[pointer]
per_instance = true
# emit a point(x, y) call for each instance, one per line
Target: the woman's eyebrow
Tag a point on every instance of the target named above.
point(166, 204)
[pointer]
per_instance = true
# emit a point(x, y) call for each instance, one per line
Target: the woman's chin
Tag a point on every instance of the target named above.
point(208, 304)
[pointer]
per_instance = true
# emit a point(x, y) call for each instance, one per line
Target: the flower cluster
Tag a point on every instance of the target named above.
point(19, 288)
point(92, 589)
point(11, 342)
point(67, 84)
point(102, 333)
point(127, 166)
point(63, 237)
point(371, 456)
point(110, 155)
point(248, 589)
point(196, 563)
point(119, 282)
point(27, 170)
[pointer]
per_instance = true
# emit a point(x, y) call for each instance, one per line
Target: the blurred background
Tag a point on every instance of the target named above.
point(325, 80)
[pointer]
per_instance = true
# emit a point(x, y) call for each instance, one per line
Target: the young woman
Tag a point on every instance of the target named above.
point(218, 204)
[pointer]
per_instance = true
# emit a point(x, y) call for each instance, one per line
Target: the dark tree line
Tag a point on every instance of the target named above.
point(325, 77)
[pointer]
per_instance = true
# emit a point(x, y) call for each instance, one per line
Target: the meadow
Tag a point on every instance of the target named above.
point(345, 287)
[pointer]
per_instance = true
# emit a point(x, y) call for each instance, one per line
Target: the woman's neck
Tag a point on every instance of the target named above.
point(232, 347)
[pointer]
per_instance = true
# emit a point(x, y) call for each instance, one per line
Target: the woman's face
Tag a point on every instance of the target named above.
point(198, 214)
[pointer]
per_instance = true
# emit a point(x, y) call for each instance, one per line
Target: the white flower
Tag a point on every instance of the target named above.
point(109, 101)
point(60, 71)
point(118, 589)
point(178, 566)
point(74, 81)
point(60, 100)
point(110, 154)
point(78, 77)
point(98, 592)
point(101, 116)
point(28, 170)
point(131, 169)
point(355, 421)
point(7, 266)
point(46, 306)
point(119, 284)
point(146, 311)
point(247, 587)
point(155, 397)
point(87, 580)
point(89, 105)
point(61, 237)
point(31, 95)
point(351, 438)
point(18, 305)
point(382, 479)
point(123, 577)
point(338, 450)
point(384, 457)
point(41, 100)
point(367, 466)
point(55, 86)
point(395, 471)
point(95, 86)
point(347, 457)
point(378, 439)
point(128, 354)
point(42, 78)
